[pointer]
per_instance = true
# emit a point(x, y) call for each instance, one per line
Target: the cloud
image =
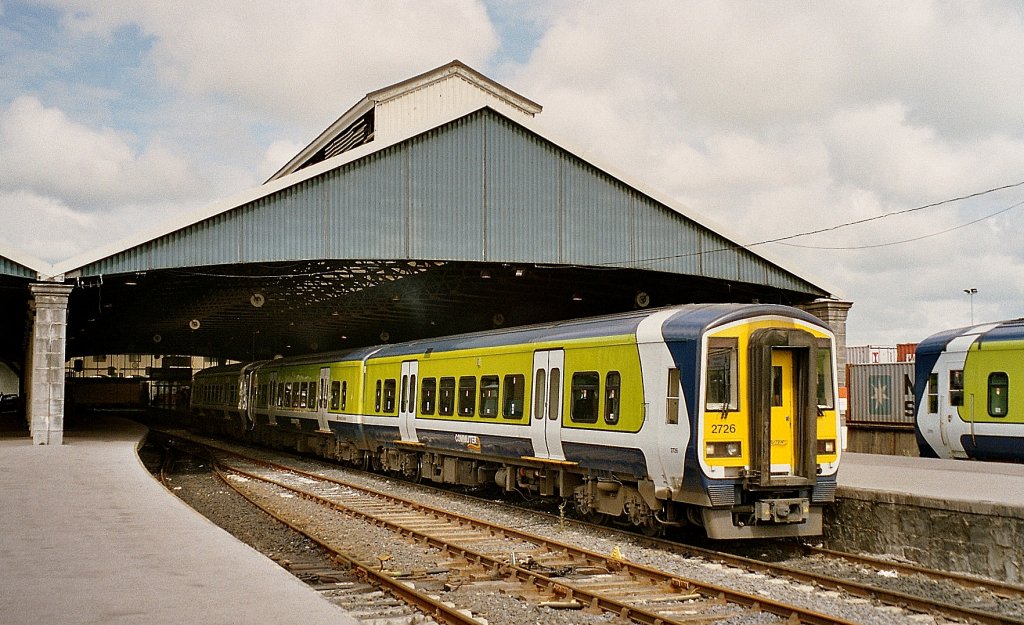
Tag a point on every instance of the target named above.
point(303, 60)
point(44, 152)
point(777, 119)
point(42, 226)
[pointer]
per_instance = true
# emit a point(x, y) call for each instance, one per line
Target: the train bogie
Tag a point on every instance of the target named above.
point(720, 415)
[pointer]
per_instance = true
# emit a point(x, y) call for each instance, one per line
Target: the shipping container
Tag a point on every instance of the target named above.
point(863, 354)
point(905, 352)
point(881, 393)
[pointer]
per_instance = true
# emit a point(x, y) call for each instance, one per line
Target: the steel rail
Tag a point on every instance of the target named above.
point(1002, 589)
point(854, 588)
point(542, 582)
point(423, 602)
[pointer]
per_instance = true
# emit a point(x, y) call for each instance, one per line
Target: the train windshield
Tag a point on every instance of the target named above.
point(824, 368)
point(722, 391)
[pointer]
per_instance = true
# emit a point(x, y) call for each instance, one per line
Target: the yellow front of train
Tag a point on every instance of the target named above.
point(767, 433)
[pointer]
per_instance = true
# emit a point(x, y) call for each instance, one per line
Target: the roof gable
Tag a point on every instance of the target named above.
point(418, 102)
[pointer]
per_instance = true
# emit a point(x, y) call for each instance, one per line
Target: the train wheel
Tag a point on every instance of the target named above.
point(652, 530)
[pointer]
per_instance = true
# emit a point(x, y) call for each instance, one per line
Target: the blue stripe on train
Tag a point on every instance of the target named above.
point(992, 447)
point(606, 458)
point(503, 446)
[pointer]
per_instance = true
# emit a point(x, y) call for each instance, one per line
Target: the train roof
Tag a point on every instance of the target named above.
point(1000, 331)
point(687, 323)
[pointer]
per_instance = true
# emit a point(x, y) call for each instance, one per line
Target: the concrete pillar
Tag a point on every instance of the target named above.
point(44, 405)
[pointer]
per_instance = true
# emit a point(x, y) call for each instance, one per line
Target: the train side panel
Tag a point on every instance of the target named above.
point(971, 396)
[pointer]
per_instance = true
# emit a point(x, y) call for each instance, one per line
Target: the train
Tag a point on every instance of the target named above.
point(720, 416)
point(967, 407)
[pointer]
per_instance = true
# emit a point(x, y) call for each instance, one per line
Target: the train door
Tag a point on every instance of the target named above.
point(273, 400)
point(321, 401)
point(407, 401)
point(783, 428)
point(784, 406)
point(546, 424)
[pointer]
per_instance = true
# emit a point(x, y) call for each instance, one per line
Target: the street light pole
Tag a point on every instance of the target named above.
point(970, 293)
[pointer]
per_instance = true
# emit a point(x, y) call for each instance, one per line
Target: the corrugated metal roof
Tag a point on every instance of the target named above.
point(480, 188)
point(17, 264)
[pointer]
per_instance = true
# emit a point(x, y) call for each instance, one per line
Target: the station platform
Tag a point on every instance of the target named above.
point(961, 485)
point(88, 536)
point(959, 515)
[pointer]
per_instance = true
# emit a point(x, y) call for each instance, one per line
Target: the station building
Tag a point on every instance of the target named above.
point(434, 206)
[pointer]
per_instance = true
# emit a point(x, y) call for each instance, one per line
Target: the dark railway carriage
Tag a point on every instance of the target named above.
point(717, 415)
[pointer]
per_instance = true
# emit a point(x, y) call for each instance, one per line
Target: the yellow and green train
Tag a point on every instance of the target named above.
point(969, 395)
point(719, 415)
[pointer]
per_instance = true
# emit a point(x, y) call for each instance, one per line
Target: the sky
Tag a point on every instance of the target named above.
point(863, 122)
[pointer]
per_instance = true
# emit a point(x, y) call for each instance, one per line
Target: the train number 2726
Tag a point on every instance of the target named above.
point(723, 428)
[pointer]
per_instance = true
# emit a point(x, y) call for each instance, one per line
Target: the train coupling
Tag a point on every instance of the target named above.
point(782, 510)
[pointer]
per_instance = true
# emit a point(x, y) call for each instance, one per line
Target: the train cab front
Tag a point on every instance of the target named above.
point(767, 436)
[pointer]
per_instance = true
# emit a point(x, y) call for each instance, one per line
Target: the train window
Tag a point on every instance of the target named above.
point(405, 394)
point(998, 393)
point(288, 394)
point(446, 397)
point(335, 395)
point(428, 396)
point(956, 387)
point(554, 401)
point(672, 398)
point(412, 394)
point(376, 404)
point(280, 394)
point(933, 393)
point(585, 389)
point(722, 384)
point(344, 394)
point(467, 396)
point(515, 392)
point(539, 393)
point(612, 391)
point(776, 386)
point(390, 386)
point(489, 393)
point(825, 399)
point(299, 394)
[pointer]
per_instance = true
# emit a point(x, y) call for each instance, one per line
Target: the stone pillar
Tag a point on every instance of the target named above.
point(44, 405)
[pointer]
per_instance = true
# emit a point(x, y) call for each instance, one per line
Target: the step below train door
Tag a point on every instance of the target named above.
point(546, 420)
point(407, 401)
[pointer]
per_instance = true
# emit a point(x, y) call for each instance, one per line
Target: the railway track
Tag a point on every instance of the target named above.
point(559, 574)
point(536, 568)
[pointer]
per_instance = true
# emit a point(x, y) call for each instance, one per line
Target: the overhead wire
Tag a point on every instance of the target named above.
point(788, 237)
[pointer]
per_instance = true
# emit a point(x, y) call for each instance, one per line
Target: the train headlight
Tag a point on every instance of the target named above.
point(730, 449)
point(826, 446)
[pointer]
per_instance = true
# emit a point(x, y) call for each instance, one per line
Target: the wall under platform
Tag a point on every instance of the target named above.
point(978, 538)
point(893, 440)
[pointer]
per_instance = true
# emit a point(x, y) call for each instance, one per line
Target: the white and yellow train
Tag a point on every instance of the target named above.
point(719, 415)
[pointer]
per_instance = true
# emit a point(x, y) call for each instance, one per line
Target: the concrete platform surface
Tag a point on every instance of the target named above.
point(88, 536)
point(962, 485)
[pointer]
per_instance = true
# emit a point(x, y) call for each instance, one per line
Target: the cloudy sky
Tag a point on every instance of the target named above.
point(772, 118)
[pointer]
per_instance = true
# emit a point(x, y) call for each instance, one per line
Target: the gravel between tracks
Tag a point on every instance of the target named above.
point(229, 510)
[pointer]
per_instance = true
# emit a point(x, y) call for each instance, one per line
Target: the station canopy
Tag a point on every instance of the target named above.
point(434, 206)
